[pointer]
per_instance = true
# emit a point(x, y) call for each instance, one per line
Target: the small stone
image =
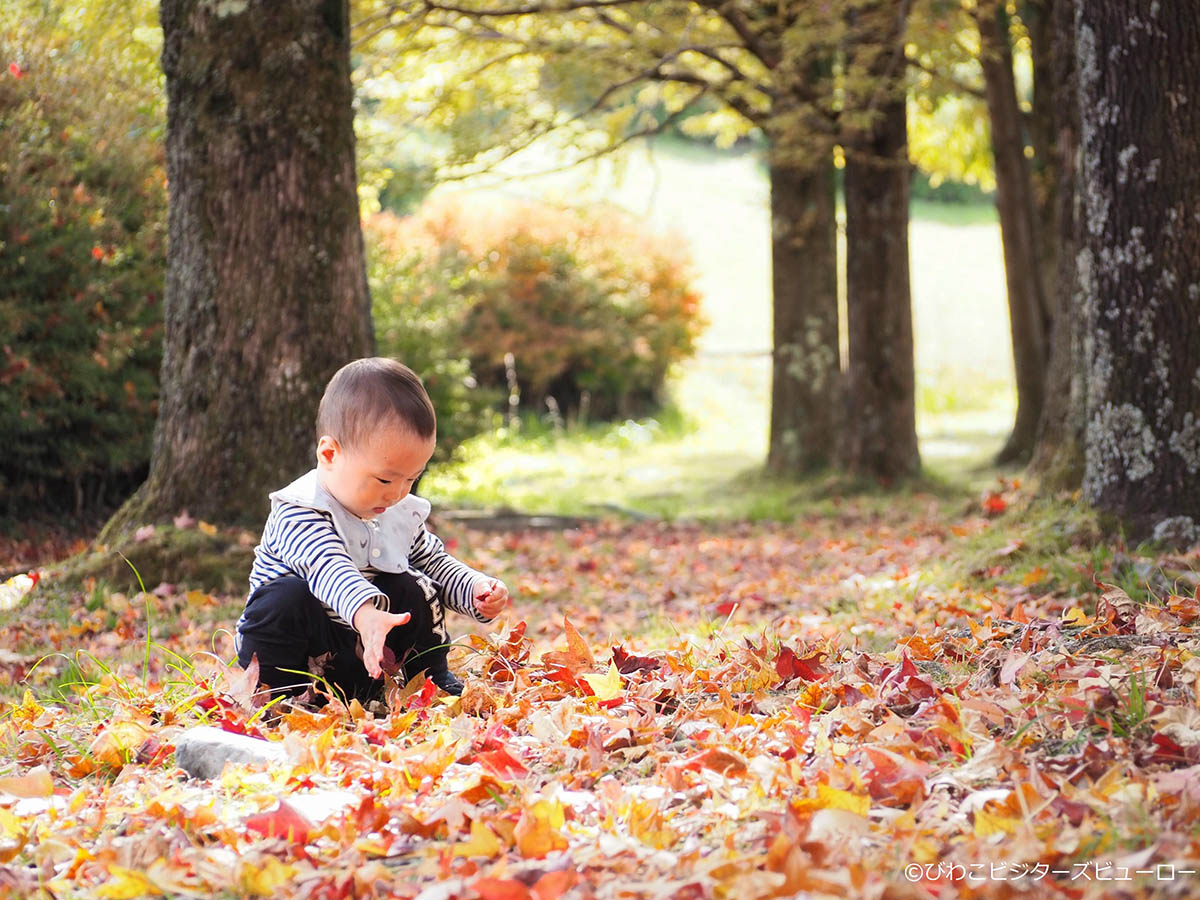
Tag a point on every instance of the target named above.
point(1177, 532)
point(203, 751)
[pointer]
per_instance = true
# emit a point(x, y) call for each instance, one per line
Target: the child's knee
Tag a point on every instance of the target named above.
point(284, 605)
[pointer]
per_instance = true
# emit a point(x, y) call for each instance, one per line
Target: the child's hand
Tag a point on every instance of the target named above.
point(373, 626)
point(491, 596)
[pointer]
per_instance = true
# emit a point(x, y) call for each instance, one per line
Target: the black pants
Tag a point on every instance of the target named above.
point(286, 626)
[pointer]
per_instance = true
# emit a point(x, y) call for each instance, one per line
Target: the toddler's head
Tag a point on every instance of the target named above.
point(376, 431)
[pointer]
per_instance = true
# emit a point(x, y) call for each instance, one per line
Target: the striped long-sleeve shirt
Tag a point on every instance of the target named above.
point(310, 535)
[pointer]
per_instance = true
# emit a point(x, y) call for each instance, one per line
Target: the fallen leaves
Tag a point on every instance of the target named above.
point(821, 714)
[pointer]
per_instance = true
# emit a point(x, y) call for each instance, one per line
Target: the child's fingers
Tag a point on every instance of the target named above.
point(372, 655)
point(373, 643)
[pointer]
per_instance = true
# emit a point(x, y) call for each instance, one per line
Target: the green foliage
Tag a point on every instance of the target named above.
point(479, 89)
point(949, 137)
point(81, 265)
point(418, 320)
point(950, 192)
point(587, 303)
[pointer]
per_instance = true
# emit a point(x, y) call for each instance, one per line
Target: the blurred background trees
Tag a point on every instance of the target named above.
point(866, 100)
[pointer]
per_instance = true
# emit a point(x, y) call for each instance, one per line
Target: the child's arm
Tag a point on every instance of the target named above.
point(460, 583)
point(304, 542)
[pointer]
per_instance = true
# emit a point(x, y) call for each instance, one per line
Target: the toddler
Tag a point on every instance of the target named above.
point(346, 566)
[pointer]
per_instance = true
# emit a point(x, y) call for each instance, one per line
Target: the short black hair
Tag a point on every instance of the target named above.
point(366, 393)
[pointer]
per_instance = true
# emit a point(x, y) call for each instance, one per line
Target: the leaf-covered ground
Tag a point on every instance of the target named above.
point(871, 704)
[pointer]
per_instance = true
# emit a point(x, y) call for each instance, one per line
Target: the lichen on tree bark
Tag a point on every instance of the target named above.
point(1139, 261)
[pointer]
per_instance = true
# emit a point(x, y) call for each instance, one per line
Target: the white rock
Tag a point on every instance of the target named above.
point(203, 751)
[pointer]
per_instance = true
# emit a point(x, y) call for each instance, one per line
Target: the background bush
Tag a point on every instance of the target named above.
point(587, 302)
point(422, 329)
point(82, 228)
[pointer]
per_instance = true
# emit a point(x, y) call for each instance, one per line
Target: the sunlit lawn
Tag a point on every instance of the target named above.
point(703, 460)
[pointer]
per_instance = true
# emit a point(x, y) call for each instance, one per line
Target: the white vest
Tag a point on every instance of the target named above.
point(381, 543)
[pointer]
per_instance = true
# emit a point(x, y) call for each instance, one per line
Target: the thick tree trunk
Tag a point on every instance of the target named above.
point(880, 435)
point(1028, 312)
point(1042, 21)
point(266, 291)
point(805, 369)
point(1139, 268)
point(1058, 454)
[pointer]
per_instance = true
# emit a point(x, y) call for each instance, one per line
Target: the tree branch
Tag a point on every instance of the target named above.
point(959, 86)
point(651, 131)
point(526, 9)
point(735, 72)
point(750, 40)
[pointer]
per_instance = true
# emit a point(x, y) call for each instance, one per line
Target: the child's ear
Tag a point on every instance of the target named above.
point(327, 450)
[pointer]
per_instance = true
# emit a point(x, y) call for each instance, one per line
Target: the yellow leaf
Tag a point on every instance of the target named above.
point(34, 783)
point(1035, 576)
point(482, 842)
point(10, 825)
point(126, 884)
point(1076, 616)
point(28, 711)
point(832, 798)
point(210, 530)
point(267, 880)
point(648, 825)
point(537, 832)
point(925, 851)
point(988, 823)
point(606, 686)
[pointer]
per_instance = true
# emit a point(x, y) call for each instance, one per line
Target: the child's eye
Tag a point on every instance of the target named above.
point(382, 480)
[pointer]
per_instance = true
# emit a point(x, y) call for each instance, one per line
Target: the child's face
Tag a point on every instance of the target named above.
point(369, 478)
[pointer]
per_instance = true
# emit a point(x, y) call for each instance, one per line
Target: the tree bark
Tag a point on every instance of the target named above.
point(266, 291)
point(1043, 22)
point(805, 370)
point(1058, 454)
point(1139, 268)
point(880, 435)
point(1028, 313)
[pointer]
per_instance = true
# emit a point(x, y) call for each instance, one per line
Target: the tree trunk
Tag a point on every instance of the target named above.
point(880, 435)
point(1028, 312)
point(805, 368)
point(1139, 268)
point(1058, 454)
point(266, 291)
point(880, 432)
point(1042, 19)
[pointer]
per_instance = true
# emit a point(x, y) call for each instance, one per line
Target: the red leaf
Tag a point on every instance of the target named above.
point(495, 738)
point(282, 821)
point(553, 885)
point(994, 504)
point(808, 668)
point(501, 889)
point(502, 764)
point(423, 698)
point(15, 70)
point(627, 663)
point(388, 662)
